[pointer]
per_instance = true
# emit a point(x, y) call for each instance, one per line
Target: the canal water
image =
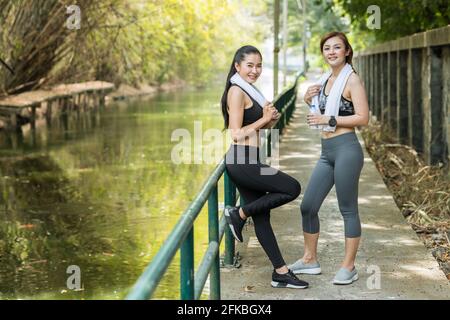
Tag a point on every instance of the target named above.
point(96, 194)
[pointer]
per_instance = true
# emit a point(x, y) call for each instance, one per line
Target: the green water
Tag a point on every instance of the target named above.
point(99, 191)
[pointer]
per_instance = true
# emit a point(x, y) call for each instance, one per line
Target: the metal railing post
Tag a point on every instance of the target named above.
point(187, 284)
point(230, 200)
point(213, 228)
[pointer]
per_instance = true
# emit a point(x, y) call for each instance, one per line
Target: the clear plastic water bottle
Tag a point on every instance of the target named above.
point(315, 110)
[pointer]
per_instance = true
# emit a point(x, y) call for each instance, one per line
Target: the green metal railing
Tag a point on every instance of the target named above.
point(182, 235)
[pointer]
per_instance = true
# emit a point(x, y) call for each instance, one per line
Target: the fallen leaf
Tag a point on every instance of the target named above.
point(108, 254)
point(249, 288)
point(26, 226)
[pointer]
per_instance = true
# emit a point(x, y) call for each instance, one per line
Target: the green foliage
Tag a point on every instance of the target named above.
point(398, 17)
point(131, 41)
point(321, 18)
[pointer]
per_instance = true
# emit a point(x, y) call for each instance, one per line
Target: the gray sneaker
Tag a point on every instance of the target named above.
point(343, 276)
point(306, 268)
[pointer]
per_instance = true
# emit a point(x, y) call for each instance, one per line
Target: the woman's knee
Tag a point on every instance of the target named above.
point(294, 189)
point(348, 209)
point(306, 208)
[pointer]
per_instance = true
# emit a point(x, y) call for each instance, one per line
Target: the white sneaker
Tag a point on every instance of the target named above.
point(306, 268)
point(344, 276)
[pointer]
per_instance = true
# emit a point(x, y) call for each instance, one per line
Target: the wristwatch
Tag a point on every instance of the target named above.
point(332, 122)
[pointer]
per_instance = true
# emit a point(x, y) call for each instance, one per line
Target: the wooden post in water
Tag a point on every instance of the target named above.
point(48, 114)
point(33, 116)
point(13, 119)
point(102, 99)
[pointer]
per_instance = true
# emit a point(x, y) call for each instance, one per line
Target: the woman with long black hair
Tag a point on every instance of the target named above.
point(262, 188)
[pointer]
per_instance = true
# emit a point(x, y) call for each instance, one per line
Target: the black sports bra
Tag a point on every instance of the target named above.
point(252, 114)
point(345, 107)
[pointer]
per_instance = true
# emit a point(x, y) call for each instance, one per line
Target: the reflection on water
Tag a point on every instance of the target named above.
point(98, 190)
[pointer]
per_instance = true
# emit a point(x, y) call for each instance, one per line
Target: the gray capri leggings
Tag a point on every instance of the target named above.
point(340, 164)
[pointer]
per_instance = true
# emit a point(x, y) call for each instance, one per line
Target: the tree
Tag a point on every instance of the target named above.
point(398, 17)
point(131, 41)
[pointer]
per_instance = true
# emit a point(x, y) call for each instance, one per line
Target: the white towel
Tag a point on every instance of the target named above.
point(334, 98)
point(249, 88)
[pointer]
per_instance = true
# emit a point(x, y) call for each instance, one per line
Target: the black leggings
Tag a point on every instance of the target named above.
point(262, 188)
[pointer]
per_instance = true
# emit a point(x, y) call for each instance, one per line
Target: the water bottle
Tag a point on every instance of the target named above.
point(315, 110)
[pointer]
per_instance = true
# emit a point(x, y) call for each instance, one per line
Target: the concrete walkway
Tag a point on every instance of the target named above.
point(388, 246)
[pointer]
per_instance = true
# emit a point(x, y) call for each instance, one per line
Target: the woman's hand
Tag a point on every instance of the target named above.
point(311, 92)
point(317, 119)
point(276, 115)
point(270, 112)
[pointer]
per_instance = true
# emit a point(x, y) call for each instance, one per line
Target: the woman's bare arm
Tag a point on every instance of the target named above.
point(359, 100)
